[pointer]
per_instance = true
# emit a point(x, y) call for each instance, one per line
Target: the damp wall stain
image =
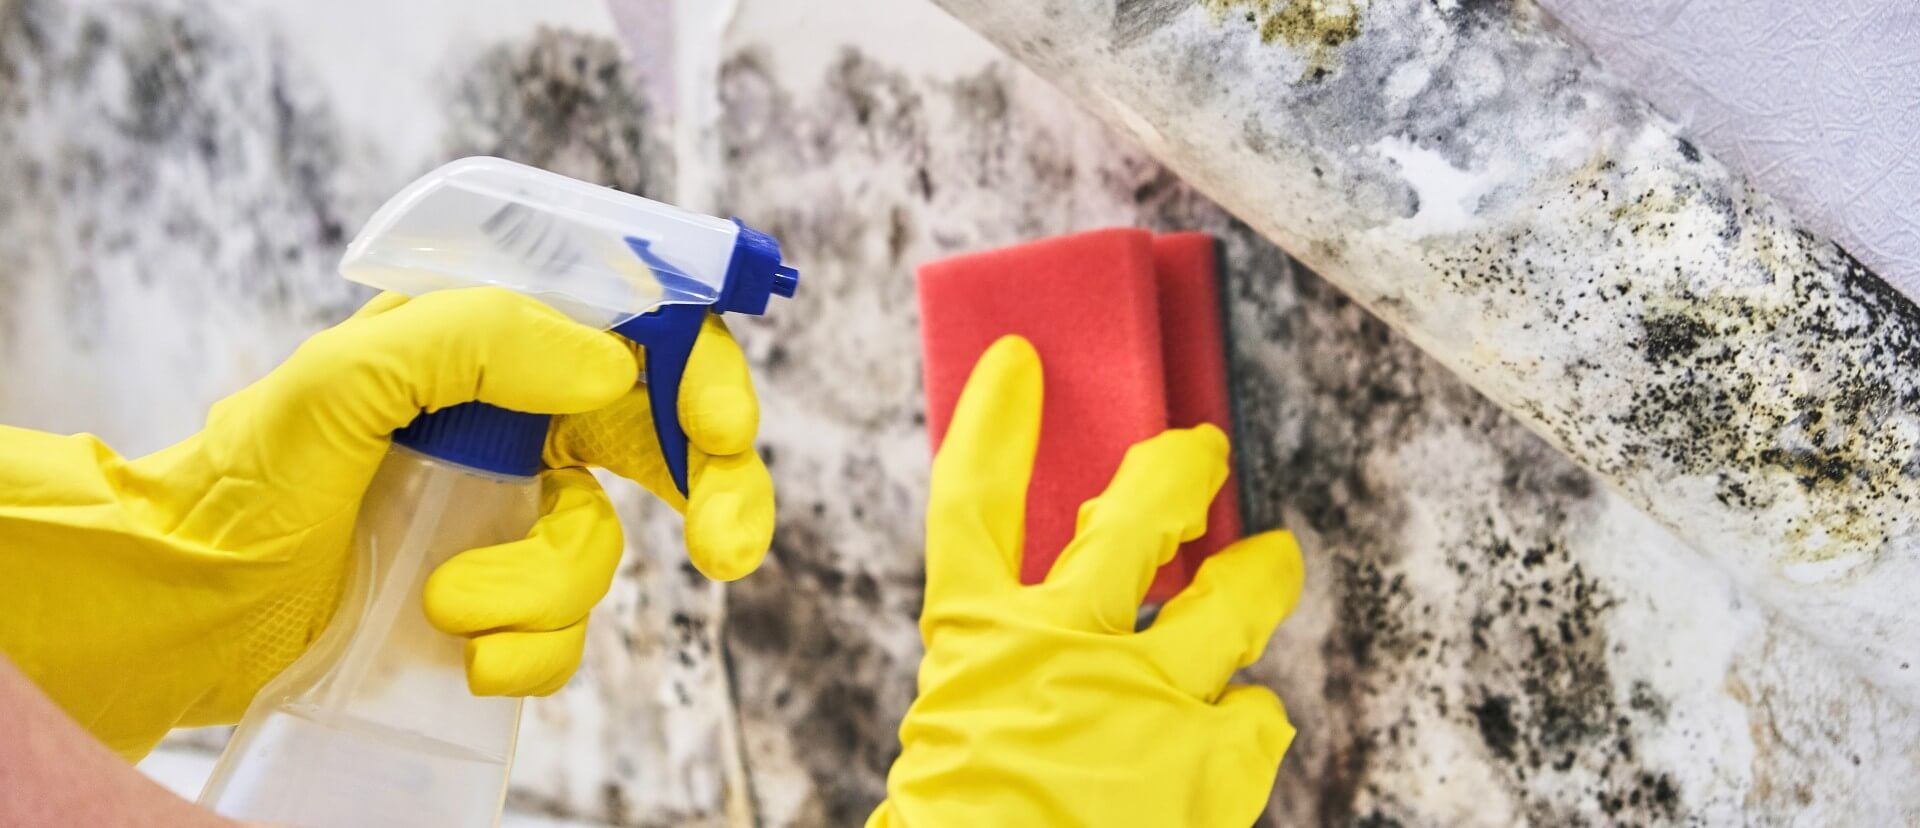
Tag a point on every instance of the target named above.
point(1504, 652)
point(1784, 387)
point(1520, 214)
point(822, 641)
point(1479, 641)
point(160, 163)
point(1315, 28)
point(249, 208)
point(565, 101)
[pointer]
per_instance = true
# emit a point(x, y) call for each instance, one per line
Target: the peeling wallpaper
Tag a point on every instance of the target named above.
point(1493, 632)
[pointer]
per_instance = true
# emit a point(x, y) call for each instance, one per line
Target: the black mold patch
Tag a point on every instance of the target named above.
point(1525, 620)
point(1687, 150)
point(1326, 395)
point(1703, 411)
point(1479, 11)
point(1672, 336)
point(1135, 19)
point(143, 93)
point(1706, 403)
point(1475, 72)
point(566, 102)
point(1495, 716)
point(1624, 241)
point(847, 180)
point(1566, 714)
point(801, 659)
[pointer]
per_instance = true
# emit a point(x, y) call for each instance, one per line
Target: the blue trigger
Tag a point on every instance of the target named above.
point(754, 273)
point(668, 333)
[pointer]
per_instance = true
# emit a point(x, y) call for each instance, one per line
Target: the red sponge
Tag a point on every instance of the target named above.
point(1128, 331)
point(1089, 305)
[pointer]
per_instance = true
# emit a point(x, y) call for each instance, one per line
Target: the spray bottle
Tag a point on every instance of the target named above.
point(374, 724)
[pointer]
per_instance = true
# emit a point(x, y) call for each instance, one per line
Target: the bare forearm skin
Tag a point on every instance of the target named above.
point(53, 773)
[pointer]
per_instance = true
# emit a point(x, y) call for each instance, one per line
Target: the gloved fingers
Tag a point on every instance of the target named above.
point(977, 499)
point(729, 522)
point(619, 437)
point(548, 580)
point(361, 379)
point(1257, 715)
point(524, 663)
point(381, 302)
point(1221, 622)
point(1158, 499)
point(718, 410)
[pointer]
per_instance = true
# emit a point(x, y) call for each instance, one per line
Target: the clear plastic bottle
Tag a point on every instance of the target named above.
point(374, 725)
point(594, 253)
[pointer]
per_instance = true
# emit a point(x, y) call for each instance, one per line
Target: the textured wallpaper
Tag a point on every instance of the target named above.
point(1818, 103)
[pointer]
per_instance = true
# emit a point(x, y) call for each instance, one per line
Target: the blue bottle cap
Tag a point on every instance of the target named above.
point(480, 436)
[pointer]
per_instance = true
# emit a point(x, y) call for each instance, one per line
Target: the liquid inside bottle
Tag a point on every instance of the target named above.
point(374, 725)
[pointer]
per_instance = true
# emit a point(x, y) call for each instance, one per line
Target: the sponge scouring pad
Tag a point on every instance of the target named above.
point(1128, 329)
point(1089, 304)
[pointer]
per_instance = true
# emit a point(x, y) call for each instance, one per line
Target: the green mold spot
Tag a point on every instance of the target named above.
point(1316, 28)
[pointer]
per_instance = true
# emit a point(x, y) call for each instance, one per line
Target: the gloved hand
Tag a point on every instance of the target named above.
point(162, 591)
point(1040, 705)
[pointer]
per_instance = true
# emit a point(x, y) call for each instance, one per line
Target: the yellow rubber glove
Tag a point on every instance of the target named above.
point(1040, 705)
point(525, 604)
point(161, 591)
point(730, 516)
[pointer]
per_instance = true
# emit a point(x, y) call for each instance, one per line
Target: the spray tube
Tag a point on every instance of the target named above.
point(374, 724)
